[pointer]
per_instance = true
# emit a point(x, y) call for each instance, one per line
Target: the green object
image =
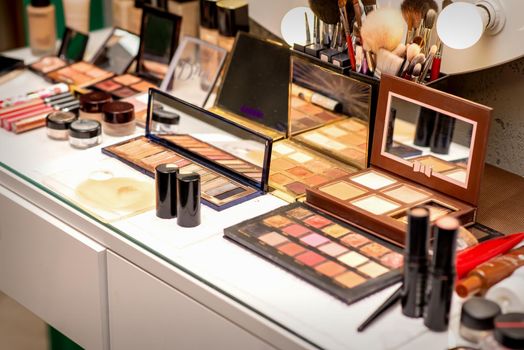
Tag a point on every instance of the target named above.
point(96, 17)
point(58, 341)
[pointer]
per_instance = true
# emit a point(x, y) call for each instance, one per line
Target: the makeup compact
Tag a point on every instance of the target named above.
point(232, 160)
point(80, 74)
point(118, 51)
point(338, 258)
point(378, 198)
point(72, 49)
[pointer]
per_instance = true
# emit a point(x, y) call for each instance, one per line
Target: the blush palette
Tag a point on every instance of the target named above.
point(123, 86)
point(218, 191)
point(338, 258)
point(81, 74)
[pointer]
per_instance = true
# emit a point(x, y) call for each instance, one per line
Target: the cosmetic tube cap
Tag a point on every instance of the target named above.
point(166, 190)
point(165, 117)
point(469, 285)
point(208, 14)
point(232, 17)
point(417, 242)
point(118, 112)
point(188, 200)
point(479, 314)
point(509, 330)
point(94, 101)
point(445, 244)
point(40, 3)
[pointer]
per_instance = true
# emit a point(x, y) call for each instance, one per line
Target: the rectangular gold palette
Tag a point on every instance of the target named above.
point(336, 257)
point(80, 74)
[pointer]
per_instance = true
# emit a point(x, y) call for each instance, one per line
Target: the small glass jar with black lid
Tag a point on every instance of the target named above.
point(85, 133)
point(57, 124)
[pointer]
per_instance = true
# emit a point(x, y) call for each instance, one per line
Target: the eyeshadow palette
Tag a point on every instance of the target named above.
point(338, 258)
point(379, 202)
point(81, 74)
point(123, 86)
point(345, 140)
point(294, 168)
point(305, 115)
point(217, 190)
point(455, 171)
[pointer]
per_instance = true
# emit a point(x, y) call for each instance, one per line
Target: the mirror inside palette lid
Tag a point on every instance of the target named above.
point(255, 87)
point(118, 51)
point(225, 146)
point(330, 112)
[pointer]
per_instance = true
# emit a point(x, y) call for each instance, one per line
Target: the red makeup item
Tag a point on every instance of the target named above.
point(435, 67)
point(8, 123)
point(471, 257)
point(345, 23)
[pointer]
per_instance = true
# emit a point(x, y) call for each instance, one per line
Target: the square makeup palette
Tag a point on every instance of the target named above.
point(217, 191)
point(346, 140)
point(455, 171)
point(337, 258)
point(123, 86)
point(294, 168)
point(379, 202)
point(80, 74)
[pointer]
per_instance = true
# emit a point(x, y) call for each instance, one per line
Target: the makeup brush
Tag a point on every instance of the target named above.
point(400, 50)
point(326, 10)
point(413, 12)
point(383, 29)
point(416, 72)
point(420, 58)
point(369, 6)
point(308, 31)
point(437, 60)
point(411, 51)
point(387, 63)
point(358, 12)
point(345, 22)
point(429, 22)
point(428, 63)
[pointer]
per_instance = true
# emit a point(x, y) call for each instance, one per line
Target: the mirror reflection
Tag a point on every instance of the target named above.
point(435, 142)
point(208, 136)
point(118, 52)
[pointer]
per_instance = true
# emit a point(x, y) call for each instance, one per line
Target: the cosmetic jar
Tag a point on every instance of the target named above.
point(508, 334)
point(57, 124)
point(477, 319)
point(119, 118)
point(164, 122)
point(509, 293)
point(188, 199)
point(91, 105)
point(166, 190)
point(85, 133)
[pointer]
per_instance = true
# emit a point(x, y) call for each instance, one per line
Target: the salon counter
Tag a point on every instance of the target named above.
point(143, 282)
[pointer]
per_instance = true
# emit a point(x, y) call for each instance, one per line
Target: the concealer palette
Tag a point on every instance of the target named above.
point(80, 74)
point(123, 86)
point(336, 257)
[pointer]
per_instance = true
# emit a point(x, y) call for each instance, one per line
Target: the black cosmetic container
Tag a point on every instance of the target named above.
point(416, 263)
point(443, 134)
point(188, 200)
point(166, 190)
point(341, 60)
point(442, 275)
point(425, 127)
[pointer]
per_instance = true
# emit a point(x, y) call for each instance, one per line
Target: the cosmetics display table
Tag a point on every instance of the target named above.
point(143, 282)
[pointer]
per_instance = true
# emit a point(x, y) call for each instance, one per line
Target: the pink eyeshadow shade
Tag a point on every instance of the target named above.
point(314, 239)
point(296, 230)
point(310, 258)
point(317, 221)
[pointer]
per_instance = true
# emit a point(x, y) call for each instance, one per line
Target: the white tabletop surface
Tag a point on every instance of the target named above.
point(273, 292)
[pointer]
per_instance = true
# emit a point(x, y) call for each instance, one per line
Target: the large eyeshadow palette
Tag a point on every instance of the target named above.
point(338, 258)
point(295, 168)
point(379, 202)
point(143, 154)
point(345, 140)
point(81, 74)
point(123, 86)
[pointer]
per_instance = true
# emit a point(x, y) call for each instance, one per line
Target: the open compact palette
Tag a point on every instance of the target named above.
point(338, 258)
point(233, 161)
point(444, 174)
point(118, 51)
point(72, 48)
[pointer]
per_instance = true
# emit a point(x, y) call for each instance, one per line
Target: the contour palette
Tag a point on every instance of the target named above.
point(379, 202)
point(294, 168)
point(123, 86)
point(80, 74)
point(218, 191)
point(338, 258)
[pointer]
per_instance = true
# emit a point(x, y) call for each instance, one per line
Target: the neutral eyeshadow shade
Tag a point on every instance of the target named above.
point(333, 249)
point(296, 230)
point(350, 279)
point(314, 239)
point(273, 239)
point(374, 250)
point(458, 175)
point(277, 221)
point(407, 194)
point(330, 268)
point(375, 205)
point(335, 230)
point(342, 190)
point(300, 213)
point(392, 260)
point(353, 259)
point(436, 164)
point(283, 149)
point(334, 131)
point(355, 240)
point(300, 157)
point(373, 180)
point(372, 269)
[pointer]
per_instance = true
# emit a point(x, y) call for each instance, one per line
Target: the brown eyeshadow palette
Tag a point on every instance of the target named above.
point(80, 74)
point(217, 191)
point(379, 202)
point(294, 168)
point(336, 257)
point(345, 140)
point(305, 115)
point(221, 157)
point(123, 86)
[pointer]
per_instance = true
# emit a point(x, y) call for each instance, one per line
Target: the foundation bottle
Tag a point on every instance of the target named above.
point(208, 21)
point(42, 27)
point(232, 17)
point(188, 10)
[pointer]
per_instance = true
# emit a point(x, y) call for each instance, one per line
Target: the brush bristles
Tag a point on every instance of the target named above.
point(383, 28)
point(414, 11)
point(388, 63)
point(430, 18)
point(326, 10)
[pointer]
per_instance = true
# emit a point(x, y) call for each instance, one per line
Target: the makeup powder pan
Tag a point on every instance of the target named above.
point(336, 257)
